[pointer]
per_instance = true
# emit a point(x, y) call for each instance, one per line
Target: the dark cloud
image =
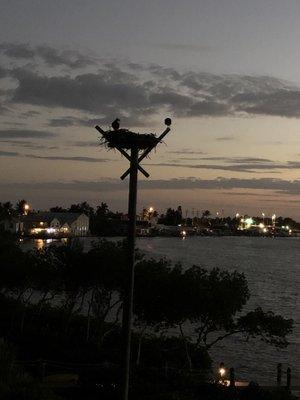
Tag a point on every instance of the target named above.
point(246, 164)
point(14, 123)
point(135, 93)
point(81, 143)
point(276, 185)
point(3, 110)
point(28, 145)
point(209, 108)
point(241, 160)
point(3, 72)
point(50, 55)
point(282, 102)
point(87, 92)
point(8, 154)
point(250, 168)
point(238, 160)
point(225, 138)
point(177, 103)
point(25, 133)
point(31, 113)
point(186, 151)
point(65, 158)
point(19, 51)
point(66, 121)
point(279, 185)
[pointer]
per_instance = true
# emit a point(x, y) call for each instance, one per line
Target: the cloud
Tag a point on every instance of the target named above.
point(225, 138)
point(25, 133)
point(81, 143)
point(87, 92)
point(3, 110)
point(71, 158)
point(8, 154)
point(3, 72)
point(235, 164)
point(209, 108)
point(250, 168)
point(29, 145)
point(276, 185)
point(241, 160)
point(30, 114)
point(50, 55)
point(136, 93)
point(282, 102)
point(66, 122)
point(14, 50)
point(186, 151)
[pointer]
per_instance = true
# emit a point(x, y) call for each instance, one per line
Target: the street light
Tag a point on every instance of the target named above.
point(222, 372)
point(26, 208)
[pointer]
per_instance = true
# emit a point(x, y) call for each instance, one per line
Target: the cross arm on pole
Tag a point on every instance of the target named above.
point(123, 152)
point(141, 169)
point(147, 151)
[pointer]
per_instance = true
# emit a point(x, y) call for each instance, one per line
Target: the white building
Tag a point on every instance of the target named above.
point(51, 224)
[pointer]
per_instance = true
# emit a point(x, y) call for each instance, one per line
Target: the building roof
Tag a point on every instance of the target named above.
point(49, 216)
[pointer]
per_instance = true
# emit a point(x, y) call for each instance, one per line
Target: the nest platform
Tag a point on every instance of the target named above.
point(125, 139)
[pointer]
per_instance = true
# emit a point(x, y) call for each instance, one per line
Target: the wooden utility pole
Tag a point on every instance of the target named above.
point(134, 160)
point(128, 293)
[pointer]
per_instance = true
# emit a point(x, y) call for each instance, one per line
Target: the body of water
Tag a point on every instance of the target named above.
point(272, 269)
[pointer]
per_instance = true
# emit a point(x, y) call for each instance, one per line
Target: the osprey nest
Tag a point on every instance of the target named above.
point(125, 139)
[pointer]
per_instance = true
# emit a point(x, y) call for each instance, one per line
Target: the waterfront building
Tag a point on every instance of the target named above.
point(52, 224)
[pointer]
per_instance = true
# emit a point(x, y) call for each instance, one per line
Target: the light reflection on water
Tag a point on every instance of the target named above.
point(272, 268)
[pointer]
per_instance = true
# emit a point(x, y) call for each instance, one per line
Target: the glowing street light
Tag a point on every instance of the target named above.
point(26, 208)
point(274, 219)
point(150, 213)
point(222, 372)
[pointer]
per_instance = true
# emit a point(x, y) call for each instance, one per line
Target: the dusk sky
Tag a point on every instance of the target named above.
point(226, 71)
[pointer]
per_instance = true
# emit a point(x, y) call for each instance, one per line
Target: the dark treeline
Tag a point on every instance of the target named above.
point(64, 304)
point(175, 217)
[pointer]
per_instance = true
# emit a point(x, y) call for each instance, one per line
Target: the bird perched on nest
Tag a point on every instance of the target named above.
point(116, 124)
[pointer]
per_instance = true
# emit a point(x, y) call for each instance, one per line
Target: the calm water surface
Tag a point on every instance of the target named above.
point(272, 268)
